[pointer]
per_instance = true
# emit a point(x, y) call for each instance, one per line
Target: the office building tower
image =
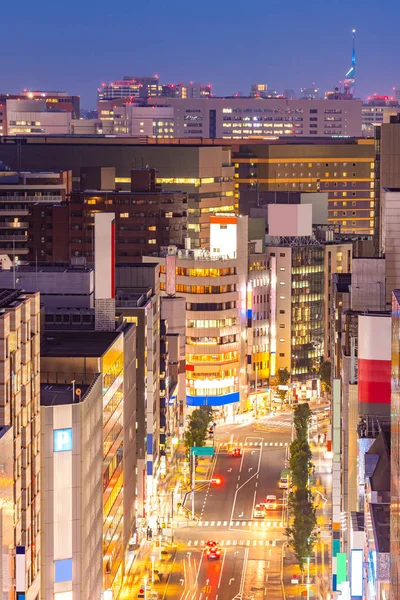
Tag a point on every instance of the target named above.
point(214, 285)
point(239, 118)
point(376, 111)
point(33, 116)
point(186, 90)
point(309, 93)
point(343, 169)
point(147, 218)
point(129, 87)
point(260, 90)
point(19, 192)
point(21, 520)
point(136, 121)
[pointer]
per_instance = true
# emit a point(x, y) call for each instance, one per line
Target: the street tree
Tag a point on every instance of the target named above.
point(282, 378)
point(325, 373)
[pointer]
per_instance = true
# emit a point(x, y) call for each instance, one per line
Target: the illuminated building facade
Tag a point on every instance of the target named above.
point(137, 121)
point(129, 87)
point(20, 432)
point(238, 118)
point(258, 322)
point(68, 356)
point(345, 170)
point(214, 285)
point(33, 117)
point(299, 310)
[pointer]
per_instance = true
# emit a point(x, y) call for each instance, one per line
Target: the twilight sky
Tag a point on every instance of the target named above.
point(75, 45)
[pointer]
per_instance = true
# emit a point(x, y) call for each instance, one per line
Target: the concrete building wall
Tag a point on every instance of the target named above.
point(72, 498)
point(368, 284)
point(68, 288)
point(337, 259)
point(391, 239)
point(281, 286)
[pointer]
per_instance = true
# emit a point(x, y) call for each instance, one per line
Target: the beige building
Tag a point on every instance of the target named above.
point(21, 519)
point(337, 259)
point(264, 118)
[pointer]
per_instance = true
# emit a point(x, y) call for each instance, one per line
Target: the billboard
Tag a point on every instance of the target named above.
point(374, 364)
point(104, 255)
point(289, 220)
point(356, 573)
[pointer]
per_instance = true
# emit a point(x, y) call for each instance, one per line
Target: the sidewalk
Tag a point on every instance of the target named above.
point(320, 566)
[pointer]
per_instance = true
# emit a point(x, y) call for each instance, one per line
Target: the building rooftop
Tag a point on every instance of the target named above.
point(9, 298)
point(55, 394)
point(74, 343)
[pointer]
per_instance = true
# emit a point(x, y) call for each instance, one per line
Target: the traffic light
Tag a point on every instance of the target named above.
point(216, 480)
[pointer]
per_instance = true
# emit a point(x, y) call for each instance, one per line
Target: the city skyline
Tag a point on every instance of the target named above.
point(220, 51)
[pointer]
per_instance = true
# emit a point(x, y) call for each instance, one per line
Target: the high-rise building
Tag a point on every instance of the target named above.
point(147, 218)
point(186, 90)
point(21, 520)
point(149, 87)
point(214, 285)
point(309, 93)
point(260, 90)
point(19, 192)
point(239, 118)
point(376, 111)
point(129, 87)
point(344, 169)
point(137, 121)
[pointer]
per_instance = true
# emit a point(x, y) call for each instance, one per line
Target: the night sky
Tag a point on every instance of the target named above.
point(75, 45)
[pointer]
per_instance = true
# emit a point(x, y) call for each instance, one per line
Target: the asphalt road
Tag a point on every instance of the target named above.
point(251, 549)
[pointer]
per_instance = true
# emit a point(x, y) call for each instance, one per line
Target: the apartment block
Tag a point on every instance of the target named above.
point(20, 429)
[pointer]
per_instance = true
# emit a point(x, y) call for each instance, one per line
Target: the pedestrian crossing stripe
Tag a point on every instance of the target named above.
point(227, 543)
point(254, 524)
point(265, 444)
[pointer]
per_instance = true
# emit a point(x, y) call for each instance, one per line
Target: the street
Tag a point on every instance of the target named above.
point(251, 549)
point(253, 561)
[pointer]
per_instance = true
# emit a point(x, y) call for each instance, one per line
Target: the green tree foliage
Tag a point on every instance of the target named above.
point(300, 462)
point(325, 373)
point(301, 533)
point(282, 378)
point(198, 424)
point(301, 420)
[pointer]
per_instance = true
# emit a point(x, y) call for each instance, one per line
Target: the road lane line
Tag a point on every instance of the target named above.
point(222, 568)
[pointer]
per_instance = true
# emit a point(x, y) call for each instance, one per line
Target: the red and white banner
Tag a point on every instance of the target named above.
point(374, 364)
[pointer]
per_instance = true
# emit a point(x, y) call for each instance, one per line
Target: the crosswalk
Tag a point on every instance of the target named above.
point(253, 524)
point(255, 444)
point(227, 543)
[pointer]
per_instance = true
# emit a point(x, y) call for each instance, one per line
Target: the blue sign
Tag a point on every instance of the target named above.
point(62, 440)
